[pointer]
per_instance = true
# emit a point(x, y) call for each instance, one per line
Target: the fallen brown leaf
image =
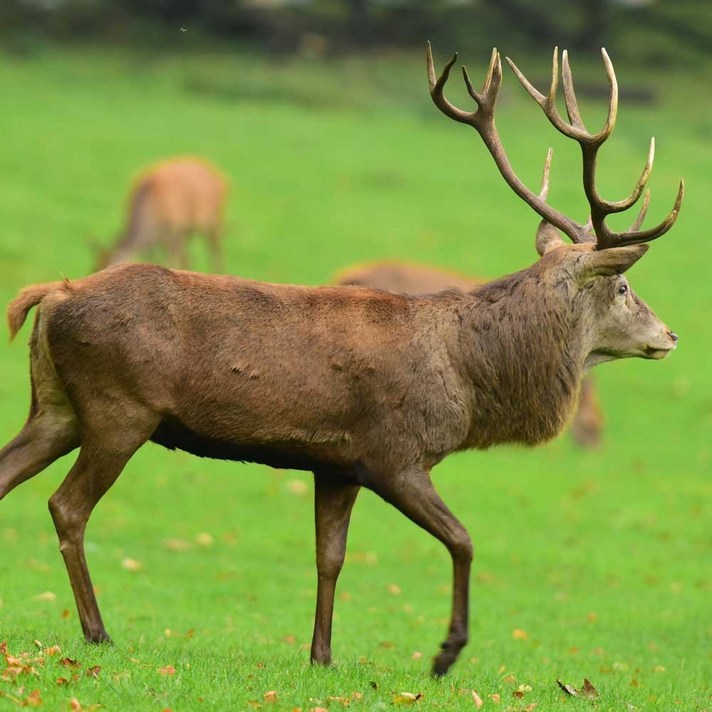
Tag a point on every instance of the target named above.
point(177, 545)
point(34, 699)
point(46, 596)
point(93, 671)
point(521, 691)
point(588, 690)
point(568, 689)
point(297, 487)
point(204, 539)
point(76, 706)
point(519, 634)
point(167, 670)
point(271, 696)
point(70, 663)
point(477, 700)
point(407, 698)
point(345, 701)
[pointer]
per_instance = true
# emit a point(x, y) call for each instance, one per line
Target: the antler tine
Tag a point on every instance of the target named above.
point(494, 75)
point(641, 213)
point(636, 224)
point(488, 98)
point(570, 94)
point(618, 206)
point(544, 190)
point(635, 236)
point(437, 84)
point(605, 132)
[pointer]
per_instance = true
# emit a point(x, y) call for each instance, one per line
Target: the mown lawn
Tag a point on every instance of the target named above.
point(588, 564)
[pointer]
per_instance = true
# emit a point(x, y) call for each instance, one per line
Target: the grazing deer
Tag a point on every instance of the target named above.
point(362, 387)
point(168, 203)
point(418, 279)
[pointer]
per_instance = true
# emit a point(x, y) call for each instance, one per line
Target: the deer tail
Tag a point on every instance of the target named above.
point(29, 297)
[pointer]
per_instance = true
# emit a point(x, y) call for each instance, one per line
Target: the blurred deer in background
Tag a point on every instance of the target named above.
point(363, 387)
point(169, 202)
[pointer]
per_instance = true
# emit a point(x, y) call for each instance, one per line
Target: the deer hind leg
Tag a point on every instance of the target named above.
point(104, 452)
point(51, 430)
point(588, 420)
point(175, 243)
point(413, 494)
point(213, 236)
point(333, 502)
point(44, 438)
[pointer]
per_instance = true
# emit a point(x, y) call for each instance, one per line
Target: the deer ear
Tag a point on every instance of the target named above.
point(606, 263)
point(547, 238)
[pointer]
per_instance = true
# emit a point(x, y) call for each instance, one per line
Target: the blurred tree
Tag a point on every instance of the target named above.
point(661, 29)
point(360, 21)
point(577, 24)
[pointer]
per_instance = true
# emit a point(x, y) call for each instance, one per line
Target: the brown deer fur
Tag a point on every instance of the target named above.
point(417, 279)
point(168, 203)
point(363, 387)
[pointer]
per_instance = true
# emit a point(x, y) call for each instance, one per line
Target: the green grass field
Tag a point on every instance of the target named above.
point(588, 564)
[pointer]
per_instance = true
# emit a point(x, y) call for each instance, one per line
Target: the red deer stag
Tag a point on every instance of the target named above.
point(362, 387)
point(168, 203)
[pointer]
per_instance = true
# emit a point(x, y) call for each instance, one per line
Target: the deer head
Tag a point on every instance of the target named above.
point(616, 322)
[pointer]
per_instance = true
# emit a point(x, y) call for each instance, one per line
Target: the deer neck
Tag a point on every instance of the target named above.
point(524, 359)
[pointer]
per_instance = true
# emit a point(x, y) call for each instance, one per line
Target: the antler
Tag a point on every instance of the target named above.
point(590, 143)
point(482, 120)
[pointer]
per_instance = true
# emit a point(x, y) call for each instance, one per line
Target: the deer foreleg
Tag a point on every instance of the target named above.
point(413, 493)
point(333, 502)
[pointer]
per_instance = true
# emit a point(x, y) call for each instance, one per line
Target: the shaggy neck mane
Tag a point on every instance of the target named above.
point(523, 357)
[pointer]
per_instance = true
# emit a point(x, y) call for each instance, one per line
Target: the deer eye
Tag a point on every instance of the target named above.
point(623, 289)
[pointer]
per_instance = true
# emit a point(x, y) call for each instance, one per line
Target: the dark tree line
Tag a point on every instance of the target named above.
point(357, 24)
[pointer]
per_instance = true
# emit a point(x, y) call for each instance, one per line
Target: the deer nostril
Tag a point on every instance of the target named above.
point(673, 336)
